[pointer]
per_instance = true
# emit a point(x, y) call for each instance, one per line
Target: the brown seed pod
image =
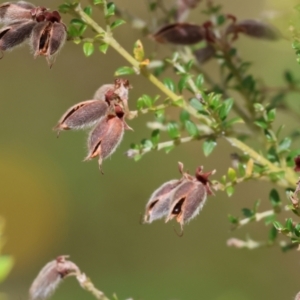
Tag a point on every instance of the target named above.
point(47, 39)
point(254, 29)
point(180, 34)
point(204, 54)
point(100, 94)
point(187, 201)
point(82, 115)
point(15, 34)
point(159, 202)
point(16, 12)
point(51, 276)
point(105, 138)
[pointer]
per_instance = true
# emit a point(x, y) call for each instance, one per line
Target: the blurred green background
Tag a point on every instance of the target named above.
point(55, 204)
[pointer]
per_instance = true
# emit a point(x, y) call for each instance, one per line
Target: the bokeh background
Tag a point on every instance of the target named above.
point(55, 204)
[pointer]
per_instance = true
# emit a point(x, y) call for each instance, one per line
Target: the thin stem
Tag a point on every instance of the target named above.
point(257, 217)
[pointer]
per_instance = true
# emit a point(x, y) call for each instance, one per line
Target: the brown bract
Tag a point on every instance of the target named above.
point(180, 34)
point(51, 276)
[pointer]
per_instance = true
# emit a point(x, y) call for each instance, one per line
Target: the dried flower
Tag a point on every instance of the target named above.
point(15, 34)
point(180, 34)
point(51, 276)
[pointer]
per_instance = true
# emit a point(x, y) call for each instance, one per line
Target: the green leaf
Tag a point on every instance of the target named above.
point(195, 103)
point(155, 136)
point(272, 234)
point(225, 109)
point(182, 84)
point(138, 51)
point(168, 82)
point(110, 9)
point(6, 264)
point(144, 101)
point(271, 115)
point(248, 213)
point(258, 107)
point(231, 174)
point(191, 128)
point(97, 2)
point(274, 198)
point(124, 71)
point(297, 230)
point(208, 146)
point(278, 226)
point(88, 10)
point(284, 145)
point(233, 121)
point(173, 130)
point(103, 48)
point(184, 116)
point(261, 123)
point(199, 81)
point(289, 224)
point(88, 49)
point(230, 191)
point(64, 8)
point(117, 23)
point(146, 143)
point(233, 220)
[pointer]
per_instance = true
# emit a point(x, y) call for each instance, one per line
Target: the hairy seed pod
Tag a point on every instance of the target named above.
point(82, 115)
point(105, 138)
point(50, 277)
point(16, 12)
point(102, 90)
point(179, 34)
point(159, 202)
point(47, 39)
point(187, 201)
point(15, 34)
point(254, 29)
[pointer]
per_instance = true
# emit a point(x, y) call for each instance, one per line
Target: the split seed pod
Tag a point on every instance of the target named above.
point(15, 34)
point(47, 39)
point(180, 34)
point(82, 115)
point(106, 136)
point(187, 201)
point(159, 202)
point(16, 12)
point(51, 276)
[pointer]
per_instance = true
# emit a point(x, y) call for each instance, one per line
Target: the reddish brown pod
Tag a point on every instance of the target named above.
point(180, 34)
point(182, 199)
point(11, 12)
point(106, 136)
point(254, 29)
point(15, 34)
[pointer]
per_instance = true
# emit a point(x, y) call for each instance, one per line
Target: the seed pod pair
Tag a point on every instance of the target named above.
point(51, 276)
point(23, 21)
point(183, 198)
point(106, 113)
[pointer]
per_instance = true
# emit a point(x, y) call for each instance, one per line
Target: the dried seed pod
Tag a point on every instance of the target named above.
point(82, 115)
point(205, 54)
point(15, 34)
point(50, 277)
point(47, 39)
point(297, 163)
point(180, 34)
point(100, 94)
point(105, 138)
point(159, 202)
point(254, 29)
point(16, 12)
